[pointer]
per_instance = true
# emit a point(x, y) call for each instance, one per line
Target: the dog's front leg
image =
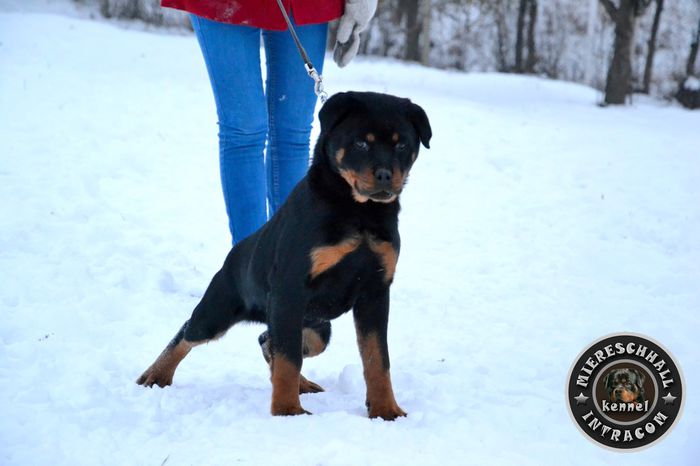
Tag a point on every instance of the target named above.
point(371, 313)
point(285, 317)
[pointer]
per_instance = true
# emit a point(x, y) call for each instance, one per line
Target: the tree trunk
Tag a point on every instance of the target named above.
point(412, 50)
point(619, 77)
point(531, 51)
point(693, 55)
point(502, 45)
point(522, 8)
point(648, 67)
point(588, 70)
point(425, 33)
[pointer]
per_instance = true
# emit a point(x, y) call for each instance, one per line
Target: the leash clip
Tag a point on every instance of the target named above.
point(318, 82)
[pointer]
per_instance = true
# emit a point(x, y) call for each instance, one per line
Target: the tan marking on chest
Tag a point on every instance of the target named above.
point(325, 257)
point(312, 343)
point(387, 255)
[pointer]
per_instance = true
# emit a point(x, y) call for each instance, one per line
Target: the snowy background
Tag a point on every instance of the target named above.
point(537, 223)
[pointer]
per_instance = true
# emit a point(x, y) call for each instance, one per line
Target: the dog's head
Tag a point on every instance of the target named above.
point(372, 140)
point(625, 385)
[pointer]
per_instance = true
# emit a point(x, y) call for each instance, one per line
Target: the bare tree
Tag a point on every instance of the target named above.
point(651, 50)
point(519, 32)
point(624, 16)
point(552, 48)
point(689, 90)
point(693, 55)
point(500, 10)
point(526, 8)
point(531, 59)
point(410, 9)
point(426, 12)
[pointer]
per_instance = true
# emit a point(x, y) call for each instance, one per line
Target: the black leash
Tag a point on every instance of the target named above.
point(313, 74)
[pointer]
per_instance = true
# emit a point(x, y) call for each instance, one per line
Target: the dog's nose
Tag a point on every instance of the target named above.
point(383, 176)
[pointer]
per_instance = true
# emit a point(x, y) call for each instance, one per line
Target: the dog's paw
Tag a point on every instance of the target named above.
point(153, 376)
point(288, 410)
point(307, 386)
point(388, 412)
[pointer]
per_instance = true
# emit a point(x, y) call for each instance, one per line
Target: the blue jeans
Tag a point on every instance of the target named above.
point(248, 116)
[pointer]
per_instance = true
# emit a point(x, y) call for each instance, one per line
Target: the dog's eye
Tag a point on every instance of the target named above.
point(401, 146)
point(362, 145)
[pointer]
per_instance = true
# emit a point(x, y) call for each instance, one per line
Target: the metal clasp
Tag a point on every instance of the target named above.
point(318, 83)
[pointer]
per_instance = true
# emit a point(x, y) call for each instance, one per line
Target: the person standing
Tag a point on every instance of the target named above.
point(280, 114)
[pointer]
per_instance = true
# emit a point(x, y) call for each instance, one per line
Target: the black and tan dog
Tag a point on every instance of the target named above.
point(625, 385)
point(332, 247)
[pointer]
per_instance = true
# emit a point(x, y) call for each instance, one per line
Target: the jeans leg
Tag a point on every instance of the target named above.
point(290, 102)
point(232, 57)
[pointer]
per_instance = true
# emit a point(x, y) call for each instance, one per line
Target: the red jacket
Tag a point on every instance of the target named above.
point(263, 14)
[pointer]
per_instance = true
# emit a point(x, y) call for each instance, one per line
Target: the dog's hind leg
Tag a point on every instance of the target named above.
point(163, 368)
point(218, 310)
point(315, 337)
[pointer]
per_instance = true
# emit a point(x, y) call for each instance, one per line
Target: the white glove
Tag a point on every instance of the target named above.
point(354, 20)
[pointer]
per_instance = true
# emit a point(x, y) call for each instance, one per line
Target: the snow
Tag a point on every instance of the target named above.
point(692, 83)
point(537, 223)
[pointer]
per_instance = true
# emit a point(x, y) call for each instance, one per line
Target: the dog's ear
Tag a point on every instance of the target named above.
point(609, 381)
point(640, 381)
point(335, 109)
point(420, 122)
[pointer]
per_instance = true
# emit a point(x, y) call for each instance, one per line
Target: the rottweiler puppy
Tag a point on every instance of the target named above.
point(625, 385)
point(331, 247)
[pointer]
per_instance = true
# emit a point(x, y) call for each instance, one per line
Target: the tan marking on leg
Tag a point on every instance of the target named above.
point(325, 257)
point(370, 137)
point(162, 370)
point(312, 344)
point(380, 394)
point(340, 153)
point(395, 137)
point(387, 255)
point(307, 386)
point(285, 388)
point(315, 346)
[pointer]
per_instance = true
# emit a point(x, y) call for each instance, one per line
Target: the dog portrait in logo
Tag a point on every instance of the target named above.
point(625, 385)
point(332, 246)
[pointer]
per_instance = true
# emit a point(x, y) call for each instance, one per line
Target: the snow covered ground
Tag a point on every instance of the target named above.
point(537, 223)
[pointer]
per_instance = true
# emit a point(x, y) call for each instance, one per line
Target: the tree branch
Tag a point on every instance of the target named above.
point(610, 8)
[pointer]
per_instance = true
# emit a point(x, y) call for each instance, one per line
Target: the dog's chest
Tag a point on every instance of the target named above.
point(339, 272)
point(365, 248)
